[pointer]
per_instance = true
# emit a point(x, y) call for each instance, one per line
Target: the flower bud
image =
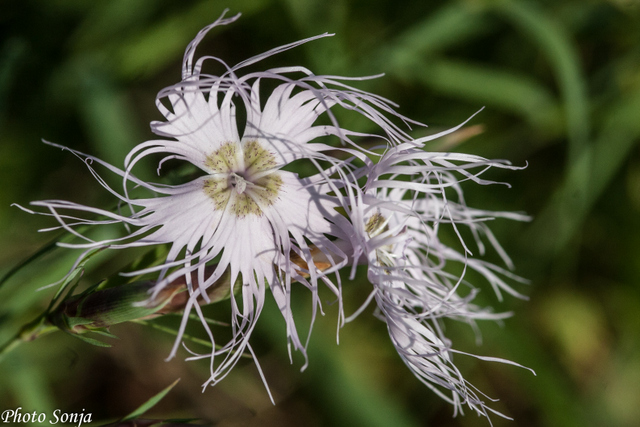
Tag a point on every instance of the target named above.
point(99, 309)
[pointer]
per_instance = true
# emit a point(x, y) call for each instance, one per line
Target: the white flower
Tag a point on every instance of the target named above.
point(248, 216)
point(397, 221)
point(265, 225)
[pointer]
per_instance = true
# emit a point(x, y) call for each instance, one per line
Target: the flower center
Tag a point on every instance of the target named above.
point(238, 182)
point(376, 225)
point(243, 175)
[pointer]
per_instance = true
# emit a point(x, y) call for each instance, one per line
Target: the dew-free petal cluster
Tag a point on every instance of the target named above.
point(409, 197)
point(253, 217)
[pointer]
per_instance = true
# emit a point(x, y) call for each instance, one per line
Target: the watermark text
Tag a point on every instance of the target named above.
point(20, 416)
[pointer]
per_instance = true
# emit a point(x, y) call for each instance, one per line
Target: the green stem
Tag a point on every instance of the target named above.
point(29, 332)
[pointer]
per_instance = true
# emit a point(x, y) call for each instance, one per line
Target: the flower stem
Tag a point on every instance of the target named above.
point(29, 332)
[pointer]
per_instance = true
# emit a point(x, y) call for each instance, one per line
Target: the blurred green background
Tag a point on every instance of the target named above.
point(560, 81)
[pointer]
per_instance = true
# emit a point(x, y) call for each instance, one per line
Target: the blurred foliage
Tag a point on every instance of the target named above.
point(560, 81)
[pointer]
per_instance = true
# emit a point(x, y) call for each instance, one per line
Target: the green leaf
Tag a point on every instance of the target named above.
point(150, 50)
point(90, 340)
point(72, 322)
point(493, 87)
point(562, 55)
point(44, 250)
point(41, 252)
point(154, 256)
point(174, 332)
point(451, 25)
point(104, 332)
point(149, 403)
point(72, 278)
point(561, 219)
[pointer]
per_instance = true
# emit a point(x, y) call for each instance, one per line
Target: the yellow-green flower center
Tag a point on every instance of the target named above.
point(376, 225)
point(246, 172)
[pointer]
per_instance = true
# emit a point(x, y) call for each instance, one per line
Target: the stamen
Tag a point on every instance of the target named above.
point(238, 182)
point(253, 178)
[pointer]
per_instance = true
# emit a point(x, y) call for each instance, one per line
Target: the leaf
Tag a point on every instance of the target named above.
point(451, 25)
point(41, 252)
point(561, 219)
point(174, 332)
point(90, 340)
point(104, 332)
point(560, 51)
point(154, 256)
point(72, 278)
point(44, 250)
point(149, 403)
point(150, 50)
point(494, 87)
